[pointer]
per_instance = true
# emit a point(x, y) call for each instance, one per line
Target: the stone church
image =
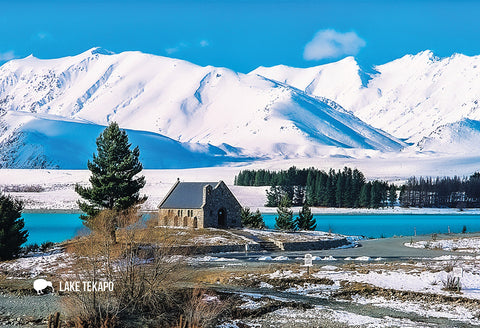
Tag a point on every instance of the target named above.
point(200, 205)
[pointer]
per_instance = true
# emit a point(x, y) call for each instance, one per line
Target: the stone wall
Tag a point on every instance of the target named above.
point(218, 198)
point(311, 245)
point(208, 249)
point(172, 217)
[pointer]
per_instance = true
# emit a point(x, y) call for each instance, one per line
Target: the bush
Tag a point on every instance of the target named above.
point(45, 246)
point(145, 276)
point(31, 248)
point(451, 284)
point(252, 220)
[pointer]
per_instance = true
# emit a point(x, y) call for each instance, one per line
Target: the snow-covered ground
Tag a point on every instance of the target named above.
point(57, 186)
point(424, 279)
point(37, 264)
point(471, 245)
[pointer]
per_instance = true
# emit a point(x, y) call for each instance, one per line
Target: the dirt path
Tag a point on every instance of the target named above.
point(350, 307)
point(28, 310)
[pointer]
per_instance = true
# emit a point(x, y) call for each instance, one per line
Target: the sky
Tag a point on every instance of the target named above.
point(242, 35)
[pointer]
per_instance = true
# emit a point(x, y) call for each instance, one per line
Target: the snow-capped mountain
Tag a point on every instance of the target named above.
point(247, 115)
point(459, 137)
point(339, 81)
point(45, 141)
point(409, 97)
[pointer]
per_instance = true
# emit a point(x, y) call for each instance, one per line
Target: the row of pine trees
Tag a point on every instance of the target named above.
point(313, 187)
point(441, 192)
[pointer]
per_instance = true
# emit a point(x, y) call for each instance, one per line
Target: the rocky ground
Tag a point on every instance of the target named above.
point(383, 283)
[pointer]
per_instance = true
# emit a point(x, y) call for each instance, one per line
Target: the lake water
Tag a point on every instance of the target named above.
point(58, 227)
point(54, 227)
point(384, 225)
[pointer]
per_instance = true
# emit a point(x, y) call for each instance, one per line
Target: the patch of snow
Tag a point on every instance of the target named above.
point(265, 285)
point(329, 258)
point(264, 258)
point(329, 267)
point(280, 258)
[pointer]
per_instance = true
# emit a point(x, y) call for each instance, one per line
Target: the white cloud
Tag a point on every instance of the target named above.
point(8, 55)
point(332, 44)
point(171, 50)
point(185, 45)
point(176, 48)
point(43, 36)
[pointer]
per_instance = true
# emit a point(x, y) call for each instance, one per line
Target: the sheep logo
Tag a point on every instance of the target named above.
point(41, 284)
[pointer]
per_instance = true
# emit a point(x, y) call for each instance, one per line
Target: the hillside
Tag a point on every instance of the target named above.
point(45, 141)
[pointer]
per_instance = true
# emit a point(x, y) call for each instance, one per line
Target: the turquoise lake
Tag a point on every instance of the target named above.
point(54, 227)
point(385, 225)
point(58, 227)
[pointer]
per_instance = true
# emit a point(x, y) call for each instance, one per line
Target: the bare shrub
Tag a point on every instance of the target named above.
point(23, 188)
point(202, 309)
point(145, 275)
point(451, 283)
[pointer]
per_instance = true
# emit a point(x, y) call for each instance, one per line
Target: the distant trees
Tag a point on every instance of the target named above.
point(252, 219)
point(12, 235)
point(392, 195)
point(342, 188)
point(284, 220)
point(441, 192)
point(113, 168)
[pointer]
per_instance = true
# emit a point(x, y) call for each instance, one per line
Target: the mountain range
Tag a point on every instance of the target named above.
point(183, 115)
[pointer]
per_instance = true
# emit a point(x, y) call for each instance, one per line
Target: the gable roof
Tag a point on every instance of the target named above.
point(186, 195)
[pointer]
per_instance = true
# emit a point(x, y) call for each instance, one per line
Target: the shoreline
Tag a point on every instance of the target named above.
point(315, 211)
point(380, 211)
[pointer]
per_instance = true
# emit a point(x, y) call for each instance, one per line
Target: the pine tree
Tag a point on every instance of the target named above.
point(12, 235)
point(273, 196)
point(305, 220)
point(365, 194)
point(113, 168)
point(392, 195)
point(252, 220)
point(284, 220)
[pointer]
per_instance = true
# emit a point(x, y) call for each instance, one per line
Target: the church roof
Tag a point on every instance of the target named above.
point(186, 195)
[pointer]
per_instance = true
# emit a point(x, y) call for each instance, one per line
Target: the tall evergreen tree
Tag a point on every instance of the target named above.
point(113, 168)
point(274, 196)
point(305, 220)
point(284, 220)
point(365, 194)
point(12, 235)
point(392, 195)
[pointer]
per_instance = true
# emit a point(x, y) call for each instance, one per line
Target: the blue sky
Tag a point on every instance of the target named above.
point(242, 35)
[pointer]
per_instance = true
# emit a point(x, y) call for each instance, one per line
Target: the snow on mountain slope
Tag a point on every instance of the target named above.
point(185, 102)
point(339, 81)
point(46, 141)
point(462, 137)
point(409, 97)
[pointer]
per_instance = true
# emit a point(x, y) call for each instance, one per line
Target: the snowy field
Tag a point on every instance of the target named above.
point(370, 293)
point(471, 245)
point(54, 189)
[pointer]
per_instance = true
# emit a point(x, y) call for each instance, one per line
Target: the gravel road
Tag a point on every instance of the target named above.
point(27, 311)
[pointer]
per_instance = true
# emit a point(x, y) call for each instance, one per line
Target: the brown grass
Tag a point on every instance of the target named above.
point(148, 278)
